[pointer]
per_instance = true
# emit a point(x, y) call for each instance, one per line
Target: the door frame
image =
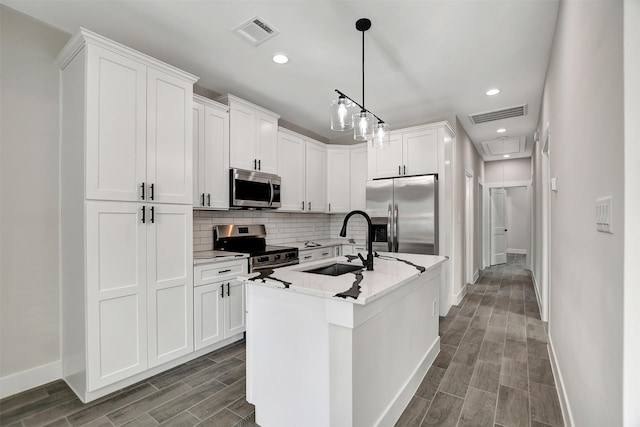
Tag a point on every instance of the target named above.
point(470, 273)
point(486, 256)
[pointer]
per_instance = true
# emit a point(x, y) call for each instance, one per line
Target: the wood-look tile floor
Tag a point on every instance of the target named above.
point(493, 368)
point(208, 391)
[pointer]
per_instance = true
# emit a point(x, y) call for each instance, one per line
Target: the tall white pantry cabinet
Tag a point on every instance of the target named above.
point(126, 214)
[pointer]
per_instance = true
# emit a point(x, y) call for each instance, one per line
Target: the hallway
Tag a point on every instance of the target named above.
point(493, 367)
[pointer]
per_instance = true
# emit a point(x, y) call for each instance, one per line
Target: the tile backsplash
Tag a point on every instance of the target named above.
point(282, 227)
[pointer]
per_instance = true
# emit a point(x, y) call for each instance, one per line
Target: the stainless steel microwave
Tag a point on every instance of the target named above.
point(253, 190)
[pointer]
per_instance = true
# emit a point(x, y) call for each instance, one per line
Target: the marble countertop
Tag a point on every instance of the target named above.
point(391, 270)
point(206, 257)
point(320, 243)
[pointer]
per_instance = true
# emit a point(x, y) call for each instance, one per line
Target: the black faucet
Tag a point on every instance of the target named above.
point(343, 233)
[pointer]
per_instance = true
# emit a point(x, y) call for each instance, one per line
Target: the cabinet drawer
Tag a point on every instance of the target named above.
point(306, 256)
point(214, 272)
point(325, 253)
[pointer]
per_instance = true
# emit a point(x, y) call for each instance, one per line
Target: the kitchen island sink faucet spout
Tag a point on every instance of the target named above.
point(343, 233)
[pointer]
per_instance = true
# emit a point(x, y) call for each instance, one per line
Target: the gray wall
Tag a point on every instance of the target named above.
point(29, 315)
point(583, 103)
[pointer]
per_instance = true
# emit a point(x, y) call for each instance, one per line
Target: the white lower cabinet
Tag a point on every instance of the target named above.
point(317, 254)
point(219, 302)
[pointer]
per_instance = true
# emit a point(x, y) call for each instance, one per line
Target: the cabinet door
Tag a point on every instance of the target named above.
point(234, 308)
point(116, 126)
point(267, 142)
point(358, 178)
point(315, 173)
point(386, 162)
point(216, 158)
point(420, 151)
point(169, 138)
point(170, 282)
point(291, 171)
point(116, 292)
point(307, 256)
point(242, 136)
point(198, 155)
point(338, 177)
point(208, 306)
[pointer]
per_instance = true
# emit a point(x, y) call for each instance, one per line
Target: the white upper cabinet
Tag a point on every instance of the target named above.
point(315, 176)
point(338, 179)
point(413, 151)
point(138, 130)
point(253, 135)
point(291, 168)
point(116, 129)
point(358, 168)
point(211, 154)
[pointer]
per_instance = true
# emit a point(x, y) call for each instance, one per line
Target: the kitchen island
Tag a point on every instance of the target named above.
point(345, 350)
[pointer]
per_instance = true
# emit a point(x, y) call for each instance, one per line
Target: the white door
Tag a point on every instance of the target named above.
point(420, 152)
point(338, 180)
point(116, 292)
point(469, 221)
point(208, 314)
point(170, 282)
point(169, 138)
point(267, 142)
point(198, 155)
point(234, 308)
point(358, 179)
point(116, 126)
point(315, 176)
point(291, 171)
point(386, 162)
point(216, 158)
point(498, 220)
point(242, 137)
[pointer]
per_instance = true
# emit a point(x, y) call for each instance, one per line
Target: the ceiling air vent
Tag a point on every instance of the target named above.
point(506, 113)
point(255, 31)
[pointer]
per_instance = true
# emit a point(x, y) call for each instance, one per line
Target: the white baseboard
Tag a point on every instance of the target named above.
point(562, 391)
point(516, 251)
point(21, 381)
point(476, 276)
point(457, 298)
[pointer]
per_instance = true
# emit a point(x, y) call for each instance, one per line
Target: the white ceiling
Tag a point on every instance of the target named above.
point(425, 60)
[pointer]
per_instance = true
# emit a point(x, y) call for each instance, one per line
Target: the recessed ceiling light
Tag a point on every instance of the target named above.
point(506, 155)
point(501, 130)
point(492, 92)
point(280, 58)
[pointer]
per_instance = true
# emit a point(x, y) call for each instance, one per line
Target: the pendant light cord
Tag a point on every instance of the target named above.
point(363, 104)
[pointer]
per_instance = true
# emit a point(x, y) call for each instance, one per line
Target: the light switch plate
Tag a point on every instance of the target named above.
point(604, 214)
point(554, 184)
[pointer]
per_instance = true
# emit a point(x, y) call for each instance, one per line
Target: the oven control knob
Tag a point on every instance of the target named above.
point(277, 257)
point(263, 259)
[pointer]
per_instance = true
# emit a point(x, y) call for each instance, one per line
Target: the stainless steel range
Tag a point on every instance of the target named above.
point(251, 239)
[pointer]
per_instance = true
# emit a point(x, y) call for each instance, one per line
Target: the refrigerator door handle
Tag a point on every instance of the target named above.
point(395, 226)
point(389, 238)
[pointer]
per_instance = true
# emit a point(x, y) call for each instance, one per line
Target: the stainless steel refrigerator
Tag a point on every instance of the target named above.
point(404, 213)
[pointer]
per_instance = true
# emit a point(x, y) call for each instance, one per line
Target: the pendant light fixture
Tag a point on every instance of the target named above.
point(366, 125)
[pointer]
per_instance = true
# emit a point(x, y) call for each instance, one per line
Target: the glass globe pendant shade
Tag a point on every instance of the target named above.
point(381, 137)
point(341, 116)
point(363, 126)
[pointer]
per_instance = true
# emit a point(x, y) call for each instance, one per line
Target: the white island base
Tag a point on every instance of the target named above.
point(321, 360)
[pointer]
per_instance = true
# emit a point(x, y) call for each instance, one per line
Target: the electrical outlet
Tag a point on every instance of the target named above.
point(604, 214)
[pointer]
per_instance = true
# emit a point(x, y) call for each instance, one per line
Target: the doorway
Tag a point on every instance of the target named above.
point(469, 218)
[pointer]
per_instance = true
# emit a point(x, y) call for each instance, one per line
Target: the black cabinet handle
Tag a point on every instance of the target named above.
point(255, 164)
point(202, 202)
point(208, 199)
point(309, 206)
point(153, 217)
point(399, 170)
point(303, 205)
point(152, 192)
point(143, 215)
point(325, 253)
point(142, 186)
point(228, 290)
point(329, 207)
point(222, 291)
point(224, 271)
point(405, 169)
point(259, 166)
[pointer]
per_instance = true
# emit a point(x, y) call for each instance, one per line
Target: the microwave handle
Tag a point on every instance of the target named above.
point(271, 191)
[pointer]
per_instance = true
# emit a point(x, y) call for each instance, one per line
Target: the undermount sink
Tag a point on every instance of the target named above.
point(334, 269)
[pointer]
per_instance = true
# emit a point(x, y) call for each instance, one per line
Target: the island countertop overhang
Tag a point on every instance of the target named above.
point(391, 271)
